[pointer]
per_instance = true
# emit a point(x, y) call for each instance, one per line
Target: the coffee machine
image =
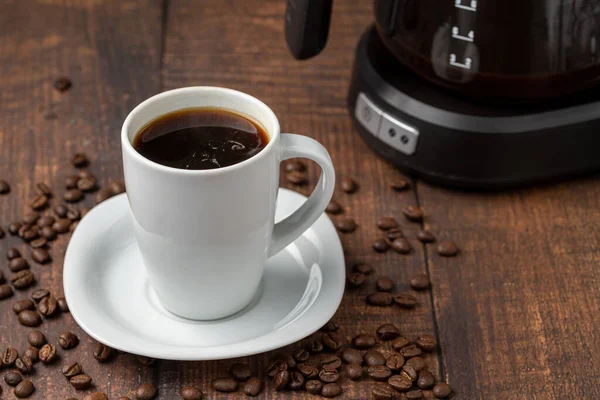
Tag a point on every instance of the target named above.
point(472, 93)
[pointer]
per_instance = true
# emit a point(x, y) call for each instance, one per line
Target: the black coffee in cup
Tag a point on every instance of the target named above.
point(200, 138)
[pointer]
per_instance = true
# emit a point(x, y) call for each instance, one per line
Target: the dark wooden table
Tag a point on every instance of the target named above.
point(517, 312)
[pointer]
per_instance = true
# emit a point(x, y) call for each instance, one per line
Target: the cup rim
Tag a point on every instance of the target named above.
point(128, 146)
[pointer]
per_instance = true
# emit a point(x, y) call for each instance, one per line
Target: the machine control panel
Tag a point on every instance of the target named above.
point(368, 114)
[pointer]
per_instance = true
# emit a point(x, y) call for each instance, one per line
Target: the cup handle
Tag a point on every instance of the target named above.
point(286, 231)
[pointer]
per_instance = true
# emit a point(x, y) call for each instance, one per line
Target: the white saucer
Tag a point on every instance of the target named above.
point(110, 298)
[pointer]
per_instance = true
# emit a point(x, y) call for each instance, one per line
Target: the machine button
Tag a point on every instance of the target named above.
point(368, 114)
point(399, 135)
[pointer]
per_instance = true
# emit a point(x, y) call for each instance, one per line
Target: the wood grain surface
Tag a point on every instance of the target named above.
point(516, 313)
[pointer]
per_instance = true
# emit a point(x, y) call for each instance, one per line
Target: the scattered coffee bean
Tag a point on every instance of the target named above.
point(24, 365)
point(405, 300)
point(31, 233)
point(416, 394)
point(5, 292)
point(39, 294)
point(364, 341)
point(334, 207)
point(387, 223)
point(380, 299)
point(388, 332)
point(145, 361)
point(410, 372)
point(308, 371)
point(48, 233)
point(275, 367)
point(297, 178)
point(9, 356)
point(12, 378)
point(281, 380)
point(354, 371)
point(331, 362)
point(384, 392)
point(331, 341)
point(84, 173)
point(22, 279)
point(42, 188)
point(425, 236)
point(410, 351)
point(39, 202)
point(79, 160)
point(86, 184)
point(400, 185)
point(426, 380)
point(447, 249)
point(61, 210)
point(18, 264)
point(441, 390)
point(395, 362)
point(116, 187)
point(62, 225)
point(384, 284)
point(48, 353)
point(40, 256)
point(301, 355)
point(84, 381)
point(147, 391)
point(329, 376)
point(62, 304)
point(48, 306)
point(4, 187)
point(290, 361)
point(31, 218)
point(418, 363)
point(62, 84)
point(29, 318)
point(240, 372)
point(22, 305)
point(400, 343)
point(73, 195)
point(420, 282)
point(32, 353)
point(24, 389)
point(36, 338)
point(24, 228)
point(68, 340)
point(103, 353)
point(296, 380)
point(352, 356)
point(363, 268)
point(331, 390)
point(12, 253)
point(96, 396)
point(316, 346)
point(102, 194)
point(355, 279)
point(380, 246)
point(379, 373)
point(426, 342)
point(295, 165)
point(401, 383)
point(346, 225)
point(193, 393)
point(413, 213)
point(330, 326)
point(38, 243)
point(70, 183)
point(349, 185)
point(373, 358)
point(401, 245)
point(314, 386)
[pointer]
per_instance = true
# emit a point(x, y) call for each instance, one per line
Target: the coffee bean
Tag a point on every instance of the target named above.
point(22, 305)
point(349, 185)
point(22, 279)
point(296, 381)
point(103, 194)
point(329, 376)
point(29, 318)
point(36, 338)
point(145, 361)
point(23, 229)
point(363, 268)
point(73, 215)
point(447, 249)
point(314, 386)
point(334, 207)
point(84, 381)
point(384, 392)
point(116, 187)
point(62, 84)
point(240, 372)
point(410, 372)
point(24, 365)
point(71, 370)
point(39, 294)
point(425, 236)
point(4, 187)
point(410, 351)
point(84, 173)
point(364, 341)
point(9, 356)
point(331, 341)
point(61, 210)
point(355, 279)
point(301, 355)
point(388, 332)
point(387, 223)
point(418, 363)
point(71, 183)
point(331, 390)
point(384, 284)
point(330, 326)
point(395, 362)
point(352, 356)
point(43, 189)
point(379, 373)
point(289, 360)
point(275, 367)
point(102, 352)
point(380, 299)
point(346, 225)
point(281, 380)
point(441, 390)
point(38, 243)
point(193, 393)
point(68, 340)
point(401, 245)
point(405, 300)
point(354, 371)
point(426, 380)
point(420, 282)
point(295, 165)
point(400, 343)
point(401, 383)
point(62, 225)
point(73, 226)
point(147, 391)
point(5, 292)
point(32, 353)
point(373, 358)
point(96, 396)
point(62, 304)
point(31, 234)
point(40, 256)
point(400, 185)
point(48, 353)
point(24, 389)
point(308, 371)
point(297, 178)
point(48, 233)
point(30, 218)
point(87, 184)
point(12, 378)
point(18, 264)
point(73, 195)
point(39, 202)
point(331, 362)
point(12, 253)
point(380, 246)
point(79, 160)
point(416, 394)
point(413, 213)
point(48, 306)
point(316, 346)
point(426, 342)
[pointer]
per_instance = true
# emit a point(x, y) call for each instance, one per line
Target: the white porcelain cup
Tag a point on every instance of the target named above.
point(205, 235)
